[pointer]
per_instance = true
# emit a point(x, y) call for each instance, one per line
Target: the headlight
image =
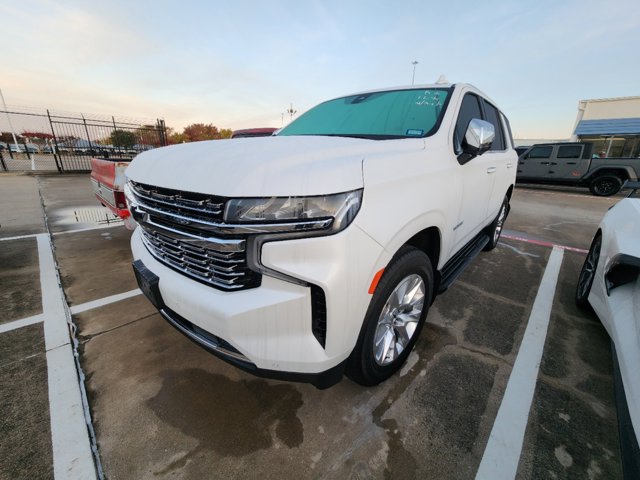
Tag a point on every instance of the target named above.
point(623, 269)
point(341, 208)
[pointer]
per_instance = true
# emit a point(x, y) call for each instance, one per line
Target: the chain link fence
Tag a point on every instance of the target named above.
point(50, 141)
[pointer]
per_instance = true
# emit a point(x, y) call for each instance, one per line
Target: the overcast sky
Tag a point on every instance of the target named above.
point(240, 64)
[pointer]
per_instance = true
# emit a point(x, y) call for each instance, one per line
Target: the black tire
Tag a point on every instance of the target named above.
point(409, 264)
point(588, 272)
point(495, 229)
point(605, 185)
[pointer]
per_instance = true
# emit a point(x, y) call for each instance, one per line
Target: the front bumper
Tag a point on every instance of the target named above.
point(270, 327)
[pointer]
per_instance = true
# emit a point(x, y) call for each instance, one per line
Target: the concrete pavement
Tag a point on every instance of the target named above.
point(164, 408)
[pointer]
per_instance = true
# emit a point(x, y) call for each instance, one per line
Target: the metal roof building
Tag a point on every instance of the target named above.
point(612, 124)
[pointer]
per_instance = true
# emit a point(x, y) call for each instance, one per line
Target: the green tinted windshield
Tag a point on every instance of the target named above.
point(376, 115)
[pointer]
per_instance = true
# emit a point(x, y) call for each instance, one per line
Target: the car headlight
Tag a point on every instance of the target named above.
point(623, 269)
point(338, 210)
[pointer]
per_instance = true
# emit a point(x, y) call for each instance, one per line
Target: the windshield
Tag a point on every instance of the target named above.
point(376, 115)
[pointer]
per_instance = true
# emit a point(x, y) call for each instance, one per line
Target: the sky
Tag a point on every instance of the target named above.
point(242, 64)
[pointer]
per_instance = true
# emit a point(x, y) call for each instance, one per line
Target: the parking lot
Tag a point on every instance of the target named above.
point(159, 406)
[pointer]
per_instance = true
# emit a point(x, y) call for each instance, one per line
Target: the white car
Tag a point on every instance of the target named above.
point(609, 282)
point(16, 148)
point(319, 250)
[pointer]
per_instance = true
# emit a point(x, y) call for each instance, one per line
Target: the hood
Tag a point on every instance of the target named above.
point(263, 166)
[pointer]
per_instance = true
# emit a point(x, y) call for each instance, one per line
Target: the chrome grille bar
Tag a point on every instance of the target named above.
point(208, 242)
point(234, 277)
point(173, 199)
point(218, 262)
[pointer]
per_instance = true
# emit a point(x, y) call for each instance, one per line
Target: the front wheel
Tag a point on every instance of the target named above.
point(394, 319)
point(588, 272)
point(605, 185)
point(495, 229)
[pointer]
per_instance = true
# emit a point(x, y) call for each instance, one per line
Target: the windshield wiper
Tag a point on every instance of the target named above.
point(366, 136)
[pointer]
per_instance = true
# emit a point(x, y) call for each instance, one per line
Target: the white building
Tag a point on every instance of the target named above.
point(611, 124)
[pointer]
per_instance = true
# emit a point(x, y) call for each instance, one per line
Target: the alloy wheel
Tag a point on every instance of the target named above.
point(589, 269)
point(398, 320)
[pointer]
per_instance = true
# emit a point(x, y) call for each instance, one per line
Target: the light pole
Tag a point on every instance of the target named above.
point(13, 133)
point(291, 112)
point(414, 63)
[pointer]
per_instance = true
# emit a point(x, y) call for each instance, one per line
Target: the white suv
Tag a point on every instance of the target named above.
point(319, 250)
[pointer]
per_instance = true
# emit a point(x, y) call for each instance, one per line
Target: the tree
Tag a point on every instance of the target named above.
point(200, 131)
point(6, 137)
point(37, 135)
point(149, 135)
point(123, 138)
point(197, 132)
point(174, 138)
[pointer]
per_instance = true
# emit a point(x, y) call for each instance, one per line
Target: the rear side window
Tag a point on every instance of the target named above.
point(570, 151)
point(469, 110)
point(540, 152)
point(494, 118)
point(509, 135)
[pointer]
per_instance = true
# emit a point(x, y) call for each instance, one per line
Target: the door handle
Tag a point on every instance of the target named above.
point(491, 169)
point(544, 163)
point(553, 163)
point(509, 165)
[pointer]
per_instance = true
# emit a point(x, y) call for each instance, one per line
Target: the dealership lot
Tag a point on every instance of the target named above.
point(162, 407)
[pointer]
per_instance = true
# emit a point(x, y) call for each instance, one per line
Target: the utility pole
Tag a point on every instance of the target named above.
point(413, 77)
point(291, 112)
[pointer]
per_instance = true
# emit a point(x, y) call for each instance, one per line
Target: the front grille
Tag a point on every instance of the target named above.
point(220, 261)
point(198, 206)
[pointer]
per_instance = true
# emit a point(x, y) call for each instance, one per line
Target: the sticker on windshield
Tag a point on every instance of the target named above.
point(414, 133)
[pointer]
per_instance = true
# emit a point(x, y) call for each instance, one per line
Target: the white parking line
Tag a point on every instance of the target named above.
point(542, 243)
point(72, 456)
point(502, 454)
point(83, 307)
point(88, 229)
point(20, 237)
point(104, 301)
point(25, 322)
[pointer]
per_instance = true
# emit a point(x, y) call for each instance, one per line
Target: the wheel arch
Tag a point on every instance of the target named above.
point(428, 241)
point(624, 173)
point(510, 192)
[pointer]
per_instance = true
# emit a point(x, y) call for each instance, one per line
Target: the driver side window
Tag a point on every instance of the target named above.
point(540, 152)
point(469, 109)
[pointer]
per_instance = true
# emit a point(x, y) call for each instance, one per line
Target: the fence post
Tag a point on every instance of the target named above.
point(116, 148)
point(4, 165)
point(29, 156)
point(55, 141)
point(87, 131)
point(162, 131)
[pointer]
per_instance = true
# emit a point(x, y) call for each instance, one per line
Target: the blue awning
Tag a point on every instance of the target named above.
point(610, 126)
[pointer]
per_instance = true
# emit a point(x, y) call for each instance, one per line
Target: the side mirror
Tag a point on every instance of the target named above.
point(479, 137)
